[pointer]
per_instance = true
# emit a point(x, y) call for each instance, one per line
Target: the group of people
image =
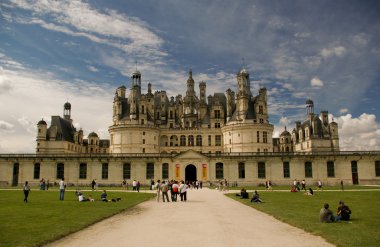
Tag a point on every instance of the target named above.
point(163, 187)
point(327, 216)
point(44, 185)
point(244, 195)
point(103, 197)
point(309, 191)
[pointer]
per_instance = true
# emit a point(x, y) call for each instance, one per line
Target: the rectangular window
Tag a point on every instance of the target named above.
point(377, 168)
point(265, 137)
point(60, 171)
point(219, 171)
point(217, 113)
point(126, 171)
point(218, 140)
point(258, 136)
point(105, 171)
point(286, 169)
point(261, 170)
point(308, 169)
point(165, 171)
point(209, 140)
point(150, 171)
point(241, 170)
point(37, 170)
point(354, 166)
point(330, 169)
point(82, 171)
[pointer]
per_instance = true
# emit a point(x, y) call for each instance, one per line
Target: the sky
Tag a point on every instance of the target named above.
point(81, 51)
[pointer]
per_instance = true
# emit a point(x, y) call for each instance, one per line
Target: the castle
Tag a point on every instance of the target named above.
point(224, 136)
point(220, 123)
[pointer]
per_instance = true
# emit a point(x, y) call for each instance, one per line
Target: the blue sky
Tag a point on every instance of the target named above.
point(81, 51)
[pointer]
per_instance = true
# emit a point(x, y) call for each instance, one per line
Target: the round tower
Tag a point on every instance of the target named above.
point(67, 111)
point(41, 130)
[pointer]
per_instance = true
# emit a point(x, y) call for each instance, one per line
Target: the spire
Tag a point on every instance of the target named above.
point(190, 74)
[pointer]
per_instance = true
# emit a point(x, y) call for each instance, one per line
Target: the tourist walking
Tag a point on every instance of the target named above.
point(174, 191)
point(134, 185)
point(62, 187)
point(26, 190)
point(341, 185)
point(158, 189)
point(319, 185)
point(183, 191)
point(93, 183)
point(303, 183)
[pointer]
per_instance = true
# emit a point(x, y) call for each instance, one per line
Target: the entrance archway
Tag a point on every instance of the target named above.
point(190, 173)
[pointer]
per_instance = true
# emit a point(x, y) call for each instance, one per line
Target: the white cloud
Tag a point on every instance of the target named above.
point(5, 126)
point(5, 83)
point(316, 82)
point(334, 51)
point(343, 110)
point(302, 35)
point(92, 68)
point(359, 134)
point(284, 121)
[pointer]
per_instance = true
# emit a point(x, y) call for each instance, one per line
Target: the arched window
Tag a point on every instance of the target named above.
point(182, 140)
point(199, 140)
point(191, 140)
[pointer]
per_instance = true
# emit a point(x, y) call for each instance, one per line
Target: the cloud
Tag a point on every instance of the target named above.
point(334, 51)
point(5, 83)
point(5, 126)
point(284, 121)
point(343, 110)
point(316, 82)
point(92, 68)
point(359, 134)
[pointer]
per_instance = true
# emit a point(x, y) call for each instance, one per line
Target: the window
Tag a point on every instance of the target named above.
point(308, 169)
point(199, 140)
point(82, 171)
point(182, 141)
point(377, 168)
point(258, 136)
point(265, 137)
point(191, 140)
point(219, 171)
point(209, 140)
point(60, 170)
point(261, 170)
point(126, 171)
point(149, 171)
point(105, 171)
point(354, 166)
point(286, 169)
point(142, 121)
point(261, 111)
point(165, 171)
point(217, 113)
point(330, 169)
point(218, 140)
point(143, 141)
point(171, 115)
point(261, 120)
point(217, 125)
point(37, 169)
point(143, 150)
point(241, 170)
point(142, 109)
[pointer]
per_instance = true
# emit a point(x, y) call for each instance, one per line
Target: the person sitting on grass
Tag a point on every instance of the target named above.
point(294, 189)
point(103, 196)
point(310, 192)
point(343, 212)
point(256, 197)
point(326, 215)
point(81, 197)
point(243, 194)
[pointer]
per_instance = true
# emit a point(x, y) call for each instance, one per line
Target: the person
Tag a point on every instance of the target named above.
point(294, 189)
point(303, 183)
point(326, 215)
point(200, 184)
point(343, 212)
point(164, 190)
point(103, 196)
point(138, 186)
point(174, 191)
point(341, 185)
point(319, 185)
point(256, 197)
point(183, 191)
point(151, 184)
point(158, 189)
point(243, 194)
point(26, 190)
point(134, 184)
point(62, 187)
point(310, 192)
point(124, 184)
point(47, 184)
point(81, 197)
point(93, 183)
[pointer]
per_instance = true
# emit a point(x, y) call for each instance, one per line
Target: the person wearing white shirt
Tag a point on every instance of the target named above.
point(62, 187)
point(183, 191)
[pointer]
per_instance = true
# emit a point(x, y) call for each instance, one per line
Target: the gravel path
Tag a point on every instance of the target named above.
point(208, 218)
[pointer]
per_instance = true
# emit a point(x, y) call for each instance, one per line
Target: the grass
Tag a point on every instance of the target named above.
point(44, 218)
point(314, 187)
point(302, 211)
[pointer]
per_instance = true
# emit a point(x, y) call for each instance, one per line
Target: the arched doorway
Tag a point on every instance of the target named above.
point(190, 173)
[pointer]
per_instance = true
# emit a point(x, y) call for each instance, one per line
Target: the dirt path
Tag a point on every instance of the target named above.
point(208, 218)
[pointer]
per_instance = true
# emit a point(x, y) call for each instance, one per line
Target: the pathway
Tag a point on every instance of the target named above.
point(208, 218)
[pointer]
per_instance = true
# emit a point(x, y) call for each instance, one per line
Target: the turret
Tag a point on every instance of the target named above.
point(190, 85)
point(120, 91)
point(67, 111)
point(202, 92)
point(41, 130)
point(244, 93)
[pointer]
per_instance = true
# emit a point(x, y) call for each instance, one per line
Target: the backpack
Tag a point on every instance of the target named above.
point(175, 189)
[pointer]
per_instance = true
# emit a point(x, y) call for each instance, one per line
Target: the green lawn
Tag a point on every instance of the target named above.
point(314, 187)
point(302, 211)
point(44, 218)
